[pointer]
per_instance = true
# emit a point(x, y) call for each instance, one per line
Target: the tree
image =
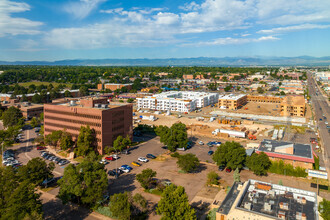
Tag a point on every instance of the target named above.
point(230, 154)
point(121, 143)
point(67, 93)
point(139, 204)
point(34, 122)
point(237, 177)
point(83, 90)
point(260, 90)
point(36, 171)
point(282, 93)
point(212, 178)
point(188, 162)
point(130, 100)
point(324, 209)
point(174, 204)
point(86, 141)
point(84, 183)
point(174, 137)
point(120, 206)
point(259, 163)
point(145, 178)
point(227, 88)
point(53, 138)
point(66, 141)
point(11, 117)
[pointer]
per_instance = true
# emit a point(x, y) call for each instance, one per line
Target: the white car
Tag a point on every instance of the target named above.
point(143, 159)
point(201, 143)
point(115, 156)
point(125, 170)
point(103, 161)
point(326, 122)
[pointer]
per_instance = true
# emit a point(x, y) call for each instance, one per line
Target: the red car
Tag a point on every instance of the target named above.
point(228, 170)
point(41, 148)
point(110, 158)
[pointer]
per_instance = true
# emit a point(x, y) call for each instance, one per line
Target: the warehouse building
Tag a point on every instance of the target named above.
point(258, 200)
point(108, 121)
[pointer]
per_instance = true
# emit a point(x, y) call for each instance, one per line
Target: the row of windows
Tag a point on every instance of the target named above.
point(74, 121)
point(67, 127)
point(119, 127)
point(73, 114)
point(117, 120)
point(118, 114)
point(51, 130)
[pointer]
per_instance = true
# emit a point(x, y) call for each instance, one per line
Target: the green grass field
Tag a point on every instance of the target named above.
point(37, 83)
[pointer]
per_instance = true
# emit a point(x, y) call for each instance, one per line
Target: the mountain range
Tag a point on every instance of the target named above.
point(199, 61)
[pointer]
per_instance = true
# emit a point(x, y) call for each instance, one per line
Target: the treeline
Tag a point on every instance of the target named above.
point(84, 74)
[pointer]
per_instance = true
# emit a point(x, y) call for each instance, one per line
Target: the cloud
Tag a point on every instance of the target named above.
point(229, 41)
point(10, 25)
point(293, 28)
point(82, 8)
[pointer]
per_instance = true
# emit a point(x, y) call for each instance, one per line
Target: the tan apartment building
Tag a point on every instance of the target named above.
point(31, 110)
point(113, 86)
point(264, 99)
point(231, 101)
point(293, 106)
point(108, 121)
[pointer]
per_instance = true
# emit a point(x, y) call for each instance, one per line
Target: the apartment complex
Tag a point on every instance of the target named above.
point(180, 101)
point(232, 101)
point(298, 155)
point(293, 106)
point(264, 99)
point(259, 200)
point(108, 121)
point(114, 86)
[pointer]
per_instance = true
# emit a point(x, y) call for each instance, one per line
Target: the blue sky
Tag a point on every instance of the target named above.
point(96, 29)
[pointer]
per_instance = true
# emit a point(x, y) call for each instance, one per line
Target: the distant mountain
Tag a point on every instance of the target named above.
point(199, 61)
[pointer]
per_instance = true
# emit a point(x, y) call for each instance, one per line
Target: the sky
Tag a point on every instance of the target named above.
point(48, 30)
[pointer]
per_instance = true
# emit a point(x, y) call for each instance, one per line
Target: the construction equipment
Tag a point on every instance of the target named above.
point(252, 137)
point(246, 108)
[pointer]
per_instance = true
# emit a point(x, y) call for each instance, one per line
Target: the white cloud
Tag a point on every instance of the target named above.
point(10, 25)
point(192, 6)
point(230, 40)
point(82, 8)
point(293, 28)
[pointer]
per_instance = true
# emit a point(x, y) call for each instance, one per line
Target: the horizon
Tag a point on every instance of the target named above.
point(103, 29)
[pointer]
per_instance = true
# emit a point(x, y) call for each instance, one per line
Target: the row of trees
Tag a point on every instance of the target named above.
point(19, 199)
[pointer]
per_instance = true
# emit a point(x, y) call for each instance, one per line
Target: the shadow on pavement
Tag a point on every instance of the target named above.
point(24, 149)
point(125, 182)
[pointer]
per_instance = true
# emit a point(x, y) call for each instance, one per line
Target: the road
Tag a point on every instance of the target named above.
point(321, 107)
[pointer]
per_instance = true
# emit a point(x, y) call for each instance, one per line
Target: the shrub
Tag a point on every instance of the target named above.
point(175, 154)
point(280, 167)
point(212, 178)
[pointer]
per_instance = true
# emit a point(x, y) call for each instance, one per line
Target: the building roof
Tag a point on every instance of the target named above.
point(300, 152)
point(229, 200)
point(232, 96)
point(294, 100)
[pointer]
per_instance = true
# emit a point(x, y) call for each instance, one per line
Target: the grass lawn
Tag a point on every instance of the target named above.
point(37, 83)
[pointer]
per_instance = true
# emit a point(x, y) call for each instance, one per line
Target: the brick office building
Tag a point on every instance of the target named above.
point(108, 121)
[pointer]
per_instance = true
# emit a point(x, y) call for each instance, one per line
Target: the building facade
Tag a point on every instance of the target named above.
point(293, 106)
point(113, 86)
point(108, 121)
point(264, 99)
point(232, 101)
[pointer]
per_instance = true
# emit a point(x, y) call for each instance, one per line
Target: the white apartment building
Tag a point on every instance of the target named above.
point(180, 101)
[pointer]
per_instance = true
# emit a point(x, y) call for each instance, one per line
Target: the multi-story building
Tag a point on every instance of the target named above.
point(114, 86)
point(292, 87)
point(264, 99)
point(181, 101)
point(232, 101)
point(293, 106)
point(31, 110)
point(108, 121)
point(257, 200)
point(298, 155)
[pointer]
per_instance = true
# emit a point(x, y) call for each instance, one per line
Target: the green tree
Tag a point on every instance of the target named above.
point(36, 171)
point(174, 204)
point(282, 93)
point(237, 176)
point(260, 90)
point(258, 163)
point(66, 141)
point(227, 88)
point(145, 178)
point(174, 137)
point(212, 178)
point(130, 100)
point(83, 90)
point(188, 162)
point(230, 154)
point(11, 117)
point(324, 209)
point(53, 138)
point(120, 206)
point(86, 141)
point(139, 204)
point(84, 183)
point(122, 143)
point(34, 122)
point(67, 93)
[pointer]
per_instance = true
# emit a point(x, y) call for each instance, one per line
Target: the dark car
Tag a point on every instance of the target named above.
point(47, 182)
point(150, 156)
point(320, 119)
point(221, 168)
point(210, 152)
point(228, 170)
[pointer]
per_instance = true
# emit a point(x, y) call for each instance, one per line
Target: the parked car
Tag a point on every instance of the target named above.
point(126, 166)
point(125, 170)
point(103, 161)
point(143, 159)
point(57, 160)
point(151, 156)
point(63, 162)
point(115, 156)
point(221, 168)
point(201, 143)
point(326, 123)
point(210, 152)
point(110, 158)
point(134, 163)
point(228, 170)
point(48, 181)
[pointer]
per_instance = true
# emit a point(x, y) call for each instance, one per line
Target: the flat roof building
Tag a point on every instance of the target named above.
point(291, 153)
point(259, 200)
point(114, 86)
point(293, 106)
point(108, 121)
point(31, 110)
point(232, 101)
